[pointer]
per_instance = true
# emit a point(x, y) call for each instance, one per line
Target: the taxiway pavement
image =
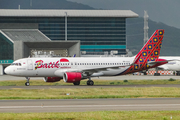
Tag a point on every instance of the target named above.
point(80, 105)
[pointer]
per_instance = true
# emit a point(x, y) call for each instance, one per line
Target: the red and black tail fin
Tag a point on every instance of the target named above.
point(151, 50)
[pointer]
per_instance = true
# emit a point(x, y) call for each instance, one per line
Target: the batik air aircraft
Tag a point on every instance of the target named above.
point(75, 69)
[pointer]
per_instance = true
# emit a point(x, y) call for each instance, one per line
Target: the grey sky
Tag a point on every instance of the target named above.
point(166, 11)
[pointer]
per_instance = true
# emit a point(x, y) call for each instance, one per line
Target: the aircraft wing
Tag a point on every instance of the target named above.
point(99, 69)
point(88, 70)
point(103, 68)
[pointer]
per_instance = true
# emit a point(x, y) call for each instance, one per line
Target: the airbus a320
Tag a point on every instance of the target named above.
point(75, 69)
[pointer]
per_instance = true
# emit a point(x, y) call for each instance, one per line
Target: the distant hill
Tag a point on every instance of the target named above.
point(42, 4)
point(135, 33)
point(135, 36)
point(166, 11)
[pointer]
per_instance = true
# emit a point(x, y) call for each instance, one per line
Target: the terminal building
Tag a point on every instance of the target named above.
point(61, 33)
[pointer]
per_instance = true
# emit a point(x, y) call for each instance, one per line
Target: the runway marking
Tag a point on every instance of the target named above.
point(81, 106)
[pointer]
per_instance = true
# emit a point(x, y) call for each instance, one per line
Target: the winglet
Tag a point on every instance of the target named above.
point(74, 55)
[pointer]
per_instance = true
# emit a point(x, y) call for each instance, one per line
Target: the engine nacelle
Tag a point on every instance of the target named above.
point(52, 79)
point(71, 77)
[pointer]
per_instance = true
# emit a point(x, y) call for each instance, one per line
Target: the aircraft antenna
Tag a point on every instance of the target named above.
point(30, 3)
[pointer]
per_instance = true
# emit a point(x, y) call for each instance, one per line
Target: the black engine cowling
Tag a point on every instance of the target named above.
point(52, 79)
point(72, 77)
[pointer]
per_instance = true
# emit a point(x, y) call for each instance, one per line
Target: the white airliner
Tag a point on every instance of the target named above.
point(75, 69)
point(173, 64)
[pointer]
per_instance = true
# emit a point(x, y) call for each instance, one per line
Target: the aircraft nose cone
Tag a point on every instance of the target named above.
point(7, 70)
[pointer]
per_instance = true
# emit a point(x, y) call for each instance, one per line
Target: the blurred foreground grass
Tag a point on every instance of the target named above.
point(90, 93)
point(97, 115)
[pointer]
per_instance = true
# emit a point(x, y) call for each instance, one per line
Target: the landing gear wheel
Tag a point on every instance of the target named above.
point(77, 83)
point(144, 73)
point(27, 84)
point(156, 74)
point(90, 82)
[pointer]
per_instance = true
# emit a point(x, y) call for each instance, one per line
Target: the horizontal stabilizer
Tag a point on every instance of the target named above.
point(159, 61)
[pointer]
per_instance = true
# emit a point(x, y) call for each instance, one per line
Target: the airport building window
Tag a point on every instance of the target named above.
point(6, 48)
point(92, 31)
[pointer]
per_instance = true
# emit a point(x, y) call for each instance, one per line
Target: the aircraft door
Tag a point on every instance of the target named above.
point(30, 65)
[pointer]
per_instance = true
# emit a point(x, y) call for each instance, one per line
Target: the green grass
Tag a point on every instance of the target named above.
point(85, 93)
point(90, 93)
point(97, 115)
point(96, 82)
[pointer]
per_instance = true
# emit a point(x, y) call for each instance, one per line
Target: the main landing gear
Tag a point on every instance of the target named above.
point(156, 74)
point(90, 82)
point(27, 83)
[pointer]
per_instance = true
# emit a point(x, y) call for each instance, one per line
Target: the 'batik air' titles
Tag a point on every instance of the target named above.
point(41, 64)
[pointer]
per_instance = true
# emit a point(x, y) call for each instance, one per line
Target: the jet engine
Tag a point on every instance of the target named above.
point(72, 77)
point(52, 79)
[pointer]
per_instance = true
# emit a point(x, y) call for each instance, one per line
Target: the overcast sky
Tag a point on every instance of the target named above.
point(166, 11)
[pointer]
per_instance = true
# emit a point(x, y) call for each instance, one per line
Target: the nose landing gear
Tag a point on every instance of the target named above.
point(27, 83)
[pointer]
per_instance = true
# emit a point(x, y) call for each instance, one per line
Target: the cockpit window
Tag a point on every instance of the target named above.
point(16, 64)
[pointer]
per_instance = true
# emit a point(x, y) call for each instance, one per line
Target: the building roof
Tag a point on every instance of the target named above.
point(25, 35)
point(52, 44)
point(70, 13)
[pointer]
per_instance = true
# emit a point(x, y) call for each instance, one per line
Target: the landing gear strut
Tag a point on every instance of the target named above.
point(27, 83)
point(90, 82)
point(144, 72)
point(156, 74)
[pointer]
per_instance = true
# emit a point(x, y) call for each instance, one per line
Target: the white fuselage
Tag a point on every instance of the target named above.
point(56, 67)
point(173, 65)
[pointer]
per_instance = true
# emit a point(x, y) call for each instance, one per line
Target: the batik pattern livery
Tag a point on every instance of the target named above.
point(150, 52)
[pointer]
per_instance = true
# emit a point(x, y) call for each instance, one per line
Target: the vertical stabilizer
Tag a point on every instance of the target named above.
point(149, 52)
